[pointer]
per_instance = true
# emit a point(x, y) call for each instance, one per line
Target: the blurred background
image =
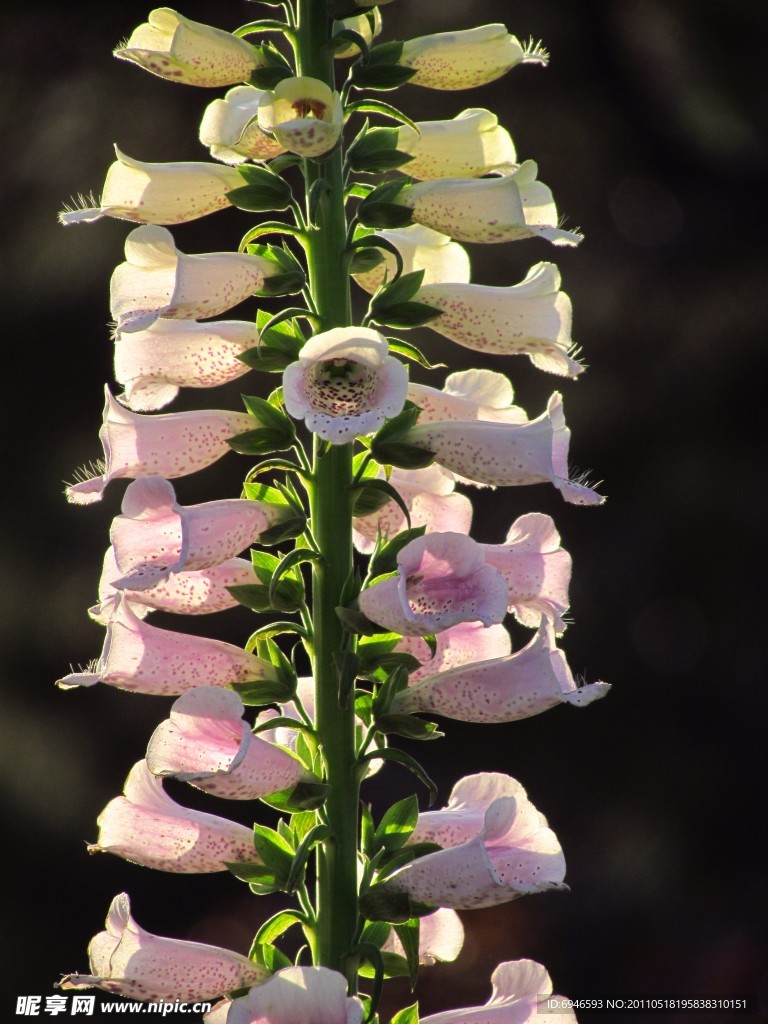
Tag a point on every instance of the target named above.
point(650, 127)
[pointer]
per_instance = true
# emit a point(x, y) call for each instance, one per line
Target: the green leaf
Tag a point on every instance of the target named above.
point(259, 198)
point(263, 691)
point(262, 25)
point(293, 559)
point(379, 242)
point(402, 315)
point(405, 348)
point(268, 78)
point(402, 758)
point(374, 957)
point(385, 559)
point(365, 259)
point(317, 197)
point(395, 683)
point(315, 835)
point(262, 358)
point(261, 879)
point(348, 35)
point(374, 150)
point(268, 955)
point(379, 107)
point(395, 966)
point(287, 529)
point(277, 925)
point(394, 861)
point(304, 796)
point(408, 1015)
point(381, 76)
point(380, 904)
point(274, 851)
point(347, 665)
point(397, 824)
point(385, 53)
point(353, 620)
point(367, 830)
point(253, 595)
point(279, 163)
point(402, 455)
point(409, 727)
point(408, 933)
point(379, 209)
point(260, 441)
point(374, 495)
point(397, 292)
point(274, 629)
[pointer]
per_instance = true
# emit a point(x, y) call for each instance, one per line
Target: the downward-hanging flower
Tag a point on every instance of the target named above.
point(128, 961)
point(442, 579)
point(157, 280)
point(181, 50)
point(496, 847)
point(461, 60)
point(504, 689)
point(294, 995)
point(431, 500)
point(146, 827)
point(303, 114)
point(471, 144)
point(366, 25)
point(468, 395)
point(144, 659)
point(532, 318)
point(462, 644)
point(170, 354)
point(207, 742)
point(441, 936)
point(506, 208)
point(156, 537)
point(421, 249)
point(345, 383)
point(164, 193)
point(230, 129)
point(507, 454)
point(536, 568)
point(521, 994)
point(198, 592)
point(171, 445)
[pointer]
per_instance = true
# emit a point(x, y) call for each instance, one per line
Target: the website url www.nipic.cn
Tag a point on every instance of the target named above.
point(53, 1006)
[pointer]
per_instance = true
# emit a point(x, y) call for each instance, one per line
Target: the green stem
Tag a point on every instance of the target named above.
point(331, 518)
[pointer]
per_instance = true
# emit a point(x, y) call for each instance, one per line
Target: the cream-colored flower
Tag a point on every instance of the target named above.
point(471, 144)
point(303, 114)
point(421, 249)
point(173, 47)
point(460, 60)
point(231, 131)
point(170, 193)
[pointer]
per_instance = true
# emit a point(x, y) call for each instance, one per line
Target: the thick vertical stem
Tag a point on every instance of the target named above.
point(331, 512)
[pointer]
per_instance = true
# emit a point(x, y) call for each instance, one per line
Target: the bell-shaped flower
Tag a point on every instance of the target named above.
point(441, 936)
point(128, 961)
point(230, 128)
point(181, 50)
point(421, 249)
point(536, 568)
point(197, 592)
point(367, 25)
point(345, 383)
point(295, 995)
point(532, 318)
point(468, 395)
point(158, 193)
point(170, 354)
point(507, 454)
point(303, 114)
point(144, 659)
point(144, 826)
point(462, 644)
point(496, 847)
point(207, 742)
point(442, 579)
point(171, 444)
point(471, 144)
point(157, 280)
point(522, 994)
point(500, 209)
point(155, 537)
point(431, 500)
point(461, 60)
point(504, 689)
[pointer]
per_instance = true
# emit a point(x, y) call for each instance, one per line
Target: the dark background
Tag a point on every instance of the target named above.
point(649, 126)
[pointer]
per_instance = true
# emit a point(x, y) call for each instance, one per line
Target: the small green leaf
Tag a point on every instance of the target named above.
point(408, 1015)
point(408, 933)
point(287, 529)
point(374, 150)
point(403, 315)
point(268, 78)
point(364, 260)
point(261, 441)
point(408, 726)
point(263, 691)
point(379, 208)
point(253, 595)
point(395, 683)
point(347, 665)
point(405, 348)
point(397, 292)
point(402, 455)
point(263, 190)
point(379, 107)
point(315, 835)
point(268, 955)
point(261, 879)
point(380, 904)
point(385, 559)
point(348, 35)
point(353, 620)
point(304, 796)
point(402, 758)
point(277, 925)
point(317, 198)
point(274, 851)
point(381, 76)
point(394, 861)
point(397, 824)
point(367, 830)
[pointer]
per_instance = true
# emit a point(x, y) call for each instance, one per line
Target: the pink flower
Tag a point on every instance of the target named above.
point(521, 991)
point(198, 592)
point(207, 742)
point(144, 659)
point(157, 280)
point(507, 454)
point(496, 847)
point(146, 827)
point(441, 936)
point(468, 395)
point(156, 538)
point(442, 579)
point(531, 318)
point(536, 569)
point(502, 689)
point(170, 354)
point(298, 995)
point(172, 444)
point(461, 644)
point(429, 497)
point(345, 383)
point(128, 961)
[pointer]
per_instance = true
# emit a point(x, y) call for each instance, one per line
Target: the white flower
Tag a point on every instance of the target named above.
point(230, 130)
point(460, 60)
point(471, 144)
point(173, 47)
point(345, 383)
point(421, 249)
point(303, 114)
point(169, 193)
